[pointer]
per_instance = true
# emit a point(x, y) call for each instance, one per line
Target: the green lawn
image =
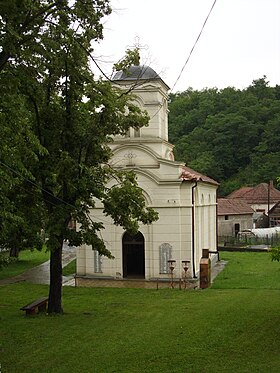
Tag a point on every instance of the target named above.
point(232, 327)
point(70, 268)
point(27, 259)
point(249, 270)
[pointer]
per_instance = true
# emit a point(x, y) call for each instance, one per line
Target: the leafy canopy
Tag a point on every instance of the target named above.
point(56, 121)
point(231, 135)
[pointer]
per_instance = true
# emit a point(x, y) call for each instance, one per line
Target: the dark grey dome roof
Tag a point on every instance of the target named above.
point(136, 72)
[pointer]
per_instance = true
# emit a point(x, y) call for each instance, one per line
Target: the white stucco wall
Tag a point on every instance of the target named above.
point(226, 227)
point(173, 203)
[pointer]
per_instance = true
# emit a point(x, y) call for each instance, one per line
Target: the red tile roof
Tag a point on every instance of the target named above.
point(233, 207)
point(257, 194)
point(189, 174)
point(240, 192)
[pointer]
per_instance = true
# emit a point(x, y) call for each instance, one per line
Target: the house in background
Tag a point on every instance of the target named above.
point(274, 215)
point(234, 216)
point(184, 198)
point(262, 198)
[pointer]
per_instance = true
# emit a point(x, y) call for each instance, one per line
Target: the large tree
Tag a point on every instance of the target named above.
point(67, 121)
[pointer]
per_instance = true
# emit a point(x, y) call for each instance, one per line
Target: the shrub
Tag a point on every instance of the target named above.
point(5, 260)
point(275, 253)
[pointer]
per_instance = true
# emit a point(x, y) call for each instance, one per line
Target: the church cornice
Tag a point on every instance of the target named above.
point(130, 141)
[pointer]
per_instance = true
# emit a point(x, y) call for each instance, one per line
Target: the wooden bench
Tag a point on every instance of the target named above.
point(41, 304)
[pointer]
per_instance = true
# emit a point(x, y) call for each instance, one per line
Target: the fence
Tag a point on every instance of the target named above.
point(249, 240)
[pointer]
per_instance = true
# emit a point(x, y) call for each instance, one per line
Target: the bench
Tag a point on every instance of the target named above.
point(41, 304)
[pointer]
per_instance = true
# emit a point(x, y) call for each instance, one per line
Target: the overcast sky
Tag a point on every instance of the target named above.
point(240, 41)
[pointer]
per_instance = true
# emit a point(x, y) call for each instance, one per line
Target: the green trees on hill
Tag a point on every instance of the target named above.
point(231, 135)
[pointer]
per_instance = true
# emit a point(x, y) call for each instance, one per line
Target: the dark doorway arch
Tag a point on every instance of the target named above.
point(133, 250)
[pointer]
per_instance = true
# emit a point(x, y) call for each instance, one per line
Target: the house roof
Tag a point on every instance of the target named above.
point(189, 174)
point(258, 194)
point(239, 193)
point(233, 207)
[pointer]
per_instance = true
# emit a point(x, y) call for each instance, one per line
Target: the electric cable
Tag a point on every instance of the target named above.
point(199, 35)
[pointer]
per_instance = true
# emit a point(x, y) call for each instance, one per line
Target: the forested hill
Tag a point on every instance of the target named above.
point(230, 135)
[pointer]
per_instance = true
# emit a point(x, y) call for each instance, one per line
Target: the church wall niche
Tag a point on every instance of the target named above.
point(97, 262)
point(165, 253)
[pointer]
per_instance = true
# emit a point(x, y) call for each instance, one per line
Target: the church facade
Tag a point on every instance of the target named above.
point(185, 199)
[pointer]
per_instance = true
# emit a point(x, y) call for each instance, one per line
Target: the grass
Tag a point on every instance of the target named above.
point(70, 268)
point(227, 328)
point(27, 259)
point(249, 270)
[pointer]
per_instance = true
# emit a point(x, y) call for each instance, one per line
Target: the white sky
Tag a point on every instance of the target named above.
point(240, 42)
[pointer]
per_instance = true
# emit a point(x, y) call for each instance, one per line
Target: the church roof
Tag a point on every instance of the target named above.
point(258, 194)
point(189, 174)
point(138, 72)
point(233, 207)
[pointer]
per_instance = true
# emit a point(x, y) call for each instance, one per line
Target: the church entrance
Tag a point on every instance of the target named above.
point(133, 250)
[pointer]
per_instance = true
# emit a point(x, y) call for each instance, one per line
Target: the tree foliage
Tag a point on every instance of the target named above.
point(275, 253)
point(231, 135)
point(56, 121)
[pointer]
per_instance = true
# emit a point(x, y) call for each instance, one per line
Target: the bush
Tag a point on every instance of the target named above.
point(5, 259)
point(275, 253)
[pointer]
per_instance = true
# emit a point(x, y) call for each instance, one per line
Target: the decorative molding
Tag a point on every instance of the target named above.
point(130, 155)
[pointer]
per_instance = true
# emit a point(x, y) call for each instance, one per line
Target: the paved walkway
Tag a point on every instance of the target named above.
point(41, 275)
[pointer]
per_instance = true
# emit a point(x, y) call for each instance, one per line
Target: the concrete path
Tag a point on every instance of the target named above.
point(217, 268)
point(41, 273)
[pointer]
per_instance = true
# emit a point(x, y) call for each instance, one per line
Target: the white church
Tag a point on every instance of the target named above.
point(185, 199)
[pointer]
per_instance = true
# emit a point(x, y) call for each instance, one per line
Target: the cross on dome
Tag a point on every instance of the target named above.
point(138, 47)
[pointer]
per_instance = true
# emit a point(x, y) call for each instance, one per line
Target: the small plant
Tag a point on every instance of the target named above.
point(275, 253)
point(5, 260)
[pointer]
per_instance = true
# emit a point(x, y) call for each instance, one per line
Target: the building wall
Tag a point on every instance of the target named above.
point(174, 228)
point(227, 227)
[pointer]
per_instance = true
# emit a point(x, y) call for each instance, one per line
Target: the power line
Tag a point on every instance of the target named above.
point(206, 19)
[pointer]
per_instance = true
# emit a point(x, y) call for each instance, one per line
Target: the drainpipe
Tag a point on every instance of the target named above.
point(268, 202)
point(217, 232)
point(193, 231)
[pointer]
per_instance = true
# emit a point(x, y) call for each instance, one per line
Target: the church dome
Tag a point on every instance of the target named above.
point(140, 72)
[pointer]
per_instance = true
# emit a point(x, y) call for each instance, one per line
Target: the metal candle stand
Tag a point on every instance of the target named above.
point(171, 264)
point(185, 265)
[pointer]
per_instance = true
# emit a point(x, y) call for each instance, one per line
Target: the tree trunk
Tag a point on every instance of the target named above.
point(14, 252)
point(55, 290)
point(3, 59)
